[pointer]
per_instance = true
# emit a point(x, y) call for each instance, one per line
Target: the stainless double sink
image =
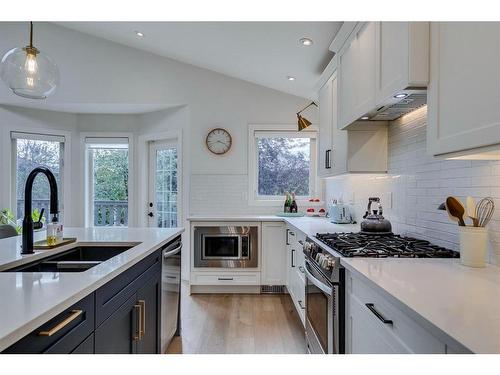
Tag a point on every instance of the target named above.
point(77, 259)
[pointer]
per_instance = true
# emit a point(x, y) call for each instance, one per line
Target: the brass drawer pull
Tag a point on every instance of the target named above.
point(137, 335)
point(142, 327)
point(74, 314)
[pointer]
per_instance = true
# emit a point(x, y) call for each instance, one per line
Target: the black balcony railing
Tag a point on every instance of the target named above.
point(106, 213)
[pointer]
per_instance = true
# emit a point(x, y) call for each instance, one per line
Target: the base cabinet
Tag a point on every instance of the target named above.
point(273, 254)
point(295, 270)
point(117, 335)
point(121, 317)
point(375, 325)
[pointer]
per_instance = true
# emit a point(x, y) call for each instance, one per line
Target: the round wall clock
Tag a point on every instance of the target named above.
point(218, 141)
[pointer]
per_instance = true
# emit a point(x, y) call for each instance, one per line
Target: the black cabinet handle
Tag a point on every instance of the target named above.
point(327, 159)
point(300, 304)
point(225, 278)
point(287, 232)
point(371, 307)
point(293, 258)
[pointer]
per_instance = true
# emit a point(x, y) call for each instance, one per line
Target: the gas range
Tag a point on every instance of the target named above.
point(383, 246)
point(352, 245)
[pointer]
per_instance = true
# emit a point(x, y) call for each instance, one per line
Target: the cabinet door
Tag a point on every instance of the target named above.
point(325, 128)
point(119, 333)
point(339, 137)
point(463, 97)
point(86, 347)
point(149, 296)
point(357, 74)
point(273, 254)
point(392, 58)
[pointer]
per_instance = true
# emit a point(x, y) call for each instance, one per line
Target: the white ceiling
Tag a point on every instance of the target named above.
point(264, 53)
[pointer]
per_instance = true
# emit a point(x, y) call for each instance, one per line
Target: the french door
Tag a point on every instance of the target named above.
point(163, 184)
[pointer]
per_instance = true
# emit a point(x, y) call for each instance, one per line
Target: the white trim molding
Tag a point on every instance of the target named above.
point(278, 130)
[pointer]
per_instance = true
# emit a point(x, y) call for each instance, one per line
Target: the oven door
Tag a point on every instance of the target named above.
point(322, 323)
point(221, 246)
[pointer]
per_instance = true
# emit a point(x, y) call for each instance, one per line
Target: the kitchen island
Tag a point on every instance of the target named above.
point(30, 299)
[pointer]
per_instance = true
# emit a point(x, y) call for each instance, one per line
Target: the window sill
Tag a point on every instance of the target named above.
point(280, 202)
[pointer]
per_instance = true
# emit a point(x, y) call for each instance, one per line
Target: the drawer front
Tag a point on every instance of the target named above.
point(411, 335)
point(367, 335)
point(111, 296)
point(248, 278)
point(62, 334)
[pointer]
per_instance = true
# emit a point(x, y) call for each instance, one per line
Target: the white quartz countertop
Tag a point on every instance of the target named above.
point(456, 302)
point(29, 299)
point(308, 225)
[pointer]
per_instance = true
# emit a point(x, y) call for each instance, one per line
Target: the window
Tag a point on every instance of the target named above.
point(107, 181)
point(282, 161)
point(30, 151)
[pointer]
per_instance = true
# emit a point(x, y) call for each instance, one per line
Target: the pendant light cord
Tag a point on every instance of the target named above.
point(31, 34)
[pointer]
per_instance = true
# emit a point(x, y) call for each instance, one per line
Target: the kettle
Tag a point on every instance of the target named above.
point(374, 222)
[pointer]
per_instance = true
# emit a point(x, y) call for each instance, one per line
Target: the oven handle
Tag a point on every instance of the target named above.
point(322, 286)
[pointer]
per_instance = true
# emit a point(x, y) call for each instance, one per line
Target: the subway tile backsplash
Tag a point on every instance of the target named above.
point(417, 183)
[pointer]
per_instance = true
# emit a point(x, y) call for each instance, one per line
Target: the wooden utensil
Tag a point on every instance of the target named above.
point(471, 211)
point(484, 211)
point(456, 210)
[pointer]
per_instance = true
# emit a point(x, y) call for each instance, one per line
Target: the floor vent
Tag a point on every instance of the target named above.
point(272, 289)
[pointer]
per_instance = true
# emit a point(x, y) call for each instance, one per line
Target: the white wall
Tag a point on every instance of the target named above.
point(418, 183)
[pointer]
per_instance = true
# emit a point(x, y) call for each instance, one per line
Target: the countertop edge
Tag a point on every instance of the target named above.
point(28, 327)
point(415, 315)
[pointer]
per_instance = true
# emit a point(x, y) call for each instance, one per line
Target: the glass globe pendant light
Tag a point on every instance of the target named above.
point(29, 72)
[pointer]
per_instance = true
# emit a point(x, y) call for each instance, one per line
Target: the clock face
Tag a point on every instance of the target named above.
point(219, 141)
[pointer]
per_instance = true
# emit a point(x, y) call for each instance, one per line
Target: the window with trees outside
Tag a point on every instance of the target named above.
point(107, 181)
point(284, 161)
point(31, 151)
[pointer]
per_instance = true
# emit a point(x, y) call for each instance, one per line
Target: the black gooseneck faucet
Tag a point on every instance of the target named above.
point(28, 224)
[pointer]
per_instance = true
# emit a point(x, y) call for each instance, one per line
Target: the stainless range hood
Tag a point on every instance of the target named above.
point(400, 104)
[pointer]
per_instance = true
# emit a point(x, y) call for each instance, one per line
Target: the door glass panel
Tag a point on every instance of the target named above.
point(220, 246)
point(317, 313)
point(166, 187)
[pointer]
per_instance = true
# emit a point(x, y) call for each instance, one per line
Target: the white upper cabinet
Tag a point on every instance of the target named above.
point(362, 149)
point(325, 128)
point(356, 72)
point(402, 57)
point(464, 90)
point(378, 61)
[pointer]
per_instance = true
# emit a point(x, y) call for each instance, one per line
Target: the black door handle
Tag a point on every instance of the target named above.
point(371, 307)
point(327, 159)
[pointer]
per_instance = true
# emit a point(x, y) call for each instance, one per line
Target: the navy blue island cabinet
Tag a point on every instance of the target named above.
point(122, 316)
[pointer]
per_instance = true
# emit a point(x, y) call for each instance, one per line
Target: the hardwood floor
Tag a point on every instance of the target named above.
point(238, 323)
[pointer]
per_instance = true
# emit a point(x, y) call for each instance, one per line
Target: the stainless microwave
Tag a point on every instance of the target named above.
point(226, 246)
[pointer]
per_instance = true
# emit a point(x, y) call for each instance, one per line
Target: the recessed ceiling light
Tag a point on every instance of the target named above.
point(290, 78)
point(365, 118)
point(139, 34)
point(400, 96)
point(306, 42)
